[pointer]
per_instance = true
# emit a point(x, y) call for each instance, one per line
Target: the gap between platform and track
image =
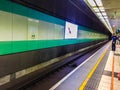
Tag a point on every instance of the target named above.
point(62, 80)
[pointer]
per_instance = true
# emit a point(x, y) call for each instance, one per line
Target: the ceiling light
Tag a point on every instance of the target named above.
point(99, 14)
point(102, 9)
point(104, 13)
point(91, 2)
point(105, 17)
point(99, 2)
point(107, 20)
point(104, 21)
point(101, 18)
point(96, 9)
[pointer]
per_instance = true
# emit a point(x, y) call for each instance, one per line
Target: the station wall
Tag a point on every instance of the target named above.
point(29, 38)
point(24, 29)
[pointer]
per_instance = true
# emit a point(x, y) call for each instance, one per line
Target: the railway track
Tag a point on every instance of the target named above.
point(53, 77)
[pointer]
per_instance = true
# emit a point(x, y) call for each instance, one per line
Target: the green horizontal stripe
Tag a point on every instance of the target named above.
point(9, 47)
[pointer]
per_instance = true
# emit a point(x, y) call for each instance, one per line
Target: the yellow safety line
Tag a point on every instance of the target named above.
point(92, 71)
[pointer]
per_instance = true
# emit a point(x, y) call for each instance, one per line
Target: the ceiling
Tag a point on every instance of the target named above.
point(112, 8)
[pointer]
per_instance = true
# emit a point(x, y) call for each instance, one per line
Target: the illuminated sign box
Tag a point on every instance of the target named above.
point(71, 30)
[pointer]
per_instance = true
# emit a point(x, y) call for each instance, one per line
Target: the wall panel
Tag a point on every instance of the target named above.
point(43, 30)
point(20, 27)
point(5, 26)
point(59, 31)
point(33, 29)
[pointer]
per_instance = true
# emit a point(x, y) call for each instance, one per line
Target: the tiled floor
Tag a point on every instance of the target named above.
point(117, 67)
point(105, 82)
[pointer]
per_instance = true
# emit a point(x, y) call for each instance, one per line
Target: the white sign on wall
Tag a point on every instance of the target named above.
point(71, 30)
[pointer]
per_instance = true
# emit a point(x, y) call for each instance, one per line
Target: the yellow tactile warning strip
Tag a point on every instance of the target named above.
point(92, 71)
point(117, 67)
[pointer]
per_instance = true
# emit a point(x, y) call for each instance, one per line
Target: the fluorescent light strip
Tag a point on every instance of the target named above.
point(104, 14)
point(105, 17)
point(92, 3)
point(100, 11)
point(102, 19)
point(99, 14)
point(96, 9)
point(99, 2)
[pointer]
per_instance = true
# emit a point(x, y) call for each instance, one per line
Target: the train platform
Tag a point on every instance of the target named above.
point(98, 72)
point(109, 80)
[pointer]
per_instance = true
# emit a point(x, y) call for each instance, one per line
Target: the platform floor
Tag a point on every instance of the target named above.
point(95, 73)
point(105, 83)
